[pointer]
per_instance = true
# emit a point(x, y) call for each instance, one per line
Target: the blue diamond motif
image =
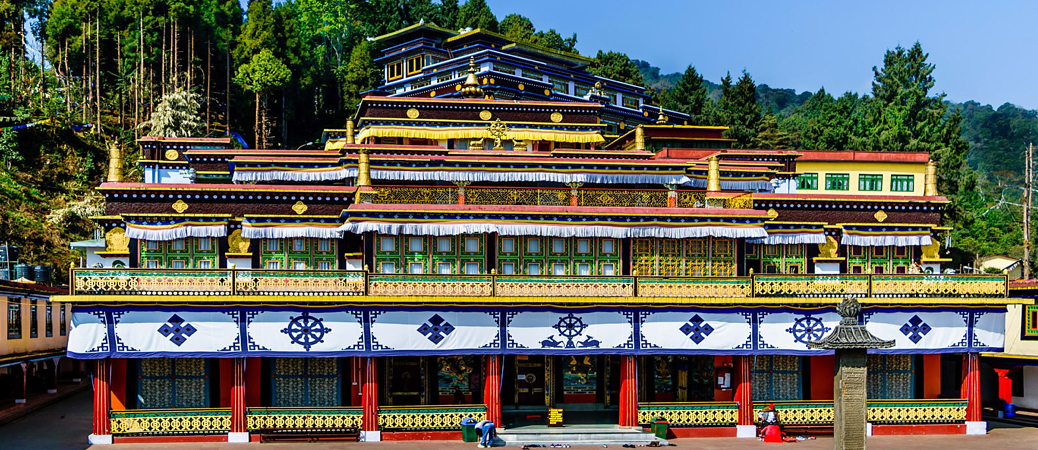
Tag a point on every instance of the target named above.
point(177, 330)
point(915, 329)
point(436, 329)
point(697, 329)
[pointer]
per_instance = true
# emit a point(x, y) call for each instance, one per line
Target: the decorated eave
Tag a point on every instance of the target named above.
point(514, 167)
point(409, 33)
point(236, 200)
point(470, 118)
point(450, 220)
point(166, 227)
point(246, 169)
point(734, 177)
point(490, 39)
point(165, 149)
point(670, 131)
point(259, 226)
point(790, 233)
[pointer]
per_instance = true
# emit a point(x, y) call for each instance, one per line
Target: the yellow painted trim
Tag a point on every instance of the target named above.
point(564, 106)
point(1010, 356)
point(152, 161)
point(174, 215)
point(475, 122)
point(345, 300)
point(230, 188)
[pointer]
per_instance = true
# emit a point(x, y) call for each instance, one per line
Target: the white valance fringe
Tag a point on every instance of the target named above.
point(791, 239)
point(555, 177)
point(555, 230)
point(291, 175)
point(877, 241)
point(276, 232)
point(729, 185)
point(170, 234)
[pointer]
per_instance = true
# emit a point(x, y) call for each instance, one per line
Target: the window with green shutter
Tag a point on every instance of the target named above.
point(837, 181)
point(870, 182)
point(807, 182)
point(902, 183)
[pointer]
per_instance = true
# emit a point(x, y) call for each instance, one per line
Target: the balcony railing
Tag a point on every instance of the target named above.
point(535, 196)
point(909, 411)
point(227, 282)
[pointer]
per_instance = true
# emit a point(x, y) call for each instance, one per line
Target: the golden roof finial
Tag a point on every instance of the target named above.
point(471, 89)
point(662, 119)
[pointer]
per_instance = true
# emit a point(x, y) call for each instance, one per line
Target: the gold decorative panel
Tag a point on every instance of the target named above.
point(426, 285)
point(485, 115)
point(413, 113)
point(237, 243)
point(880, 216)
point(299, 207)
point(172, 154)
point(556, 117)
point(179, 206)
point(116, 241)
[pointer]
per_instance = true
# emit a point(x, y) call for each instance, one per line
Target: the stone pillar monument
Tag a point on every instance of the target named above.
point(850, 341)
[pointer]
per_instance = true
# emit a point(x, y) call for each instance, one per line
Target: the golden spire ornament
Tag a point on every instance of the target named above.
point(470, 88)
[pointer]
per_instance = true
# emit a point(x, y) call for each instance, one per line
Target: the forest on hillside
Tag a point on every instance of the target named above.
point(87, 75)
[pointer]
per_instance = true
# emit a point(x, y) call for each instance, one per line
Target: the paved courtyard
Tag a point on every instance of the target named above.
point(65, 425)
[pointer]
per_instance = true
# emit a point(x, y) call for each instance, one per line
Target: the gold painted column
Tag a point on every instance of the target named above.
point(713, 175)
point(115, 163)
point(639, 138)
point(363, 168)
point(930, 179)
point(349, 132)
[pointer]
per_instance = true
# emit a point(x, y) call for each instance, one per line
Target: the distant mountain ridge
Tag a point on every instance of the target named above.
point(780, 101)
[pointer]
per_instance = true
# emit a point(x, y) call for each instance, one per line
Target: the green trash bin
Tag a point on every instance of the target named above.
point(660, 427)
point(468, 430)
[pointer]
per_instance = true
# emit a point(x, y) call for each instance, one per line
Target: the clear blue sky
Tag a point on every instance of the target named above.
point(983, 50)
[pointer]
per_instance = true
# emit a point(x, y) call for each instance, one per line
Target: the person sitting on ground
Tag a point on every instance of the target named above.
point(766, 418)
point(486, 434)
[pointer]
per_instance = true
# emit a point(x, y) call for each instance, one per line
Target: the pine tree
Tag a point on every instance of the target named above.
point(769, 135)
point(262, 74)
point(477, 14)
point(616, 66)
point(361, 75)
point(177, 115)
point(518, 28)
point(739, 109)
point(689, 97)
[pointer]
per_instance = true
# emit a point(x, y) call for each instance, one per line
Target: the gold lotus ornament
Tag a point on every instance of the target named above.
point(180, 206)
point(880, 216)
point(299, 207)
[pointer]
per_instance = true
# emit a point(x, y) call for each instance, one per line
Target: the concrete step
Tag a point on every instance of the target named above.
point(576, 436)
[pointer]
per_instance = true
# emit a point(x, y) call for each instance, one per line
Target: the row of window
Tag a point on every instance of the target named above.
point(866, 182)
point(14, 319)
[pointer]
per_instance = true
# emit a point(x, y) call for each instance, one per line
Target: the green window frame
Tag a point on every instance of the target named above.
point(807, 182)
point(902, 183)
point(870, 182)
point(837, 181)
point(764, 375)
point(14, 318)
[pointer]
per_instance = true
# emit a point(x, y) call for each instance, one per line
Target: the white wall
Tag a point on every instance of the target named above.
point(1030, 398)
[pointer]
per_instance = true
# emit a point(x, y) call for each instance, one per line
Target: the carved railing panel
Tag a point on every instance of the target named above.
point(690, 414)
point(810, 285)
point(152, 282)
point(559, 286)
point(694, 287)
point(302, 419)
point(431, 285)
point(427, 418)
point(917, 411)
point(895, 286)
point(288, 282)
point(170, 421)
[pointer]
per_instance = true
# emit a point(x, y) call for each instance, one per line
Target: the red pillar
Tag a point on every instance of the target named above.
point(369, 398)
point(743, 390)
point(492, 388)
point(971, 386)
point(628, 391)
point(1005, 385)
point(239, 423)
point(102, 399)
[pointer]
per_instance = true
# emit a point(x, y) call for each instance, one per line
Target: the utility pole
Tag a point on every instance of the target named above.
point(1028, 176)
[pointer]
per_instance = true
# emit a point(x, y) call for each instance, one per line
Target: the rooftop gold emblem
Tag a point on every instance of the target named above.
point(880, 216)
point(556, 117)
point(485, 115)
point(413, 113)
point(172, 155)
point(299, 207)
point(180, 206)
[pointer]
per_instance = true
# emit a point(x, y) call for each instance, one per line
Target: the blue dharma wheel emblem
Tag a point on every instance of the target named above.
point(569, 327)
point(306, 330)
point(807, 329)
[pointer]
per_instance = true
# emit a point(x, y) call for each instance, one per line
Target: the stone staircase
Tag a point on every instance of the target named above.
point(610, 435)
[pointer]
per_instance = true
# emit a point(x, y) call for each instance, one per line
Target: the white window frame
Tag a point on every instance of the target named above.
point(298, 265)
point(583, 269)
point(612, 246)
point(508, 245)
point(608, 269)
point(587, 246)
point(382, 266)
point(176, 244)
point(533, 245)
point(273, 245)
point(475, 244)
point(444, 240)
point(411, 240)
point(471, 268)
point(324, 245)
point(205, 243)
point(533, 268)
point(415, 267)
point(508, 268)
point(298, 244)
point(556, 243)
point(273, 265)
point(558, 269)
point(205, 264)
point(324, 265)
point(444, 265)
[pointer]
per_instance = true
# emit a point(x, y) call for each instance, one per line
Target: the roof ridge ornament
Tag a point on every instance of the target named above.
point(470, 88)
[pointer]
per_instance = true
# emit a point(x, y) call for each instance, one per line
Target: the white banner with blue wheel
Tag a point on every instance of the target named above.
point(141, 332)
